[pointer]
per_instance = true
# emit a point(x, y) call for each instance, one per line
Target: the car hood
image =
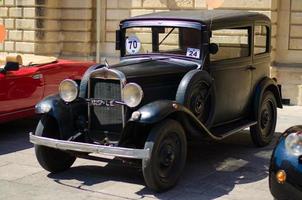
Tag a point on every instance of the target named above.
point(133, 68)
point(158, 77)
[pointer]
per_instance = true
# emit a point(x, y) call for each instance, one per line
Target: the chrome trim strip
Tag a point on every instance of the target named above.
point(90, 148)
point(111, 74)
point(165, 22)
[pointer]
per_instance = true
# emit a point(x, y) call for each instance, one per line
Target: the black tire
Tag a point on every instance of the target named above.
point(50, 159)
point(262, 133)
point(168, 146)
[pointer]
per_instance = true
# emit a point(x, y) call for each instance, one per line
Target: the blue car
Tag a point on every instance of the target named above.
point(285, 174)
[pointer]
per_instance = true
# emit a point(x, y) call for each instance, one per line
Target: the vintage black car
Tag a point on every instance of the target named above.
point(183, 76)
point(285, 174)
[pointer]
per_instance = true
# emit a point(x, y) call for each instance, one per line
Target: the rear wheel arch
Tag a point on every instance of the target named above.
point(274, 89)
point(266, 84)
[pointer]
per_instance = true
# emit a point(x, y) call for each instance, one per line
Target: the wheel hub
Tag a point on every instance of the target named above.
point(265, 118)
point(167, 156)
point(198, 104)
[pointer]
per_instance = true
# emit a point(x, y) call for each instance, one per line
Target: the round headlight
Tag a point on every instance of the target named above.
point(132, 94)
point(68, 90)
point(293, 143)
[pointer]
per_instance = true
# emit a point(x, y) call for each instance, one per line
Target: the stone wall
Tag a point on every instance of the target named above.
point(287, 65)
point(18, 18)
point(66, 28)
point(62, 28)
point(295, 42)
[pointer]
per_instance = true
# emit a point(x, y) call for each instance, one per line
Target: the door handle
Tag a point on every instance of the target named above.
point(37, 76)
point(251, 67)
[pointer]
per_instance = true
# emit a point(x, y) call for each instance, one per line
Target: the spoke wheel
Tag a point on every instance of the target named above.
point(262, 133)
point(168, 146)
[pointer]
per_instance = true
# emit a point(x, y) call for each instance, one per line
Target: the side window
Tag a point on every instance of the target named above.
point(232, 43)
point(260, 40)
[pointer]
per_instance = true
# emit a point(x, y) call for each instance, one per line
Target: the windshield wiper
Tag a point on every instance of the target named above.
point(166, 36)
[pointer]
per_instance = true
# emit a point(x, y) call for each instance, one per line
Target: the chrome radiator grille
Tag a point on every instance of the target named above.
point(104, 118)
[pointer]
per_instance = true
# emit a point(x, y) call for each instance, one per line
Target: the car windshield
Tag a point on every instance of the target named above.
point(163, 40)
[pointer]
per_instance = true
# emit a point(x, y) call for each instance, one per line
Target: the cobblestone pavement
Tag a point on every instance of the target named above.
point(232, 169)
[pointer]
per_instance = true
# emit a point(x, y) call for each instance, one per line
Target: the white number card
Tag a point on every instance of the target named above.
point(133, 45)
point(193, 53)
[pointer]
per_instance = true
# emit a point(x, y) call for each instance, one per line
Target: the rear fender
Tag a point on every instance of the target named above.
point(267, 84)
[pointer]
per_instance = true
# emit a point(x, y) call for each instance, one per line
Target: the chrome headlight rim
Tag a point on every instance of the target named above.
point(68, 98)
point(134, 103)
point(293, 143)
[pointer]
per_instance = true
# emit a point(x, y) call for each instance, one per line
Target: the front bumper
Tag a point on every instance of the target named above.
point(90, 148)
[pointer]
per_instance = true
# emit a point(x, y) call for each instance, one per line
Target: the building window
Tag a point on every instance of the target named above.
point(260, 40)
point(232, 43)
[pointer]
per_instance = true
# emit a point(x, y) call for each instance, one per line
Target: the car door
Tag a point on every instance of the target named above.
point(20, 90)
point(56, 72)
point(231, 68)
point(53, 74)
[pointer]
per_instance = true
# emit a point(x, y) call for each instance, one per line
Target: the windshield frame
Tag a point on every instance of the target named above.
point(160, 23)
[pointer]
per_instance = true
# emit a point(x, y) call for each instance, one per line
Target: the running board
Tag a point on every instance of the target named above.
point(229, 129)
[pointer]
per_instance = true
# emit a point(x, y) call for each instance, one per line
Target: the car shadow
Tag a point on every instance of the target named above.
point(213, 169)
point(14, 135)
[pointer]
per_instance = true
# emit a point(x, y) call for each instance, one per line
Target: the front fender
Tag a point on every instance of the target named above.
point(65, 114)
point(159, 110)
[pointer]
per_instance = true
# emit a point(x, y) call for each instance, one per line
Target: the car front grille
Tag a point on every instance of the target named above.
point(106, 118)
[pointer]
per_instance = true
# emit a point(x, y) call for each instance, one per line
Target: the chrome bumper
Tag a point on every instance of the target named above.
point(90, 148)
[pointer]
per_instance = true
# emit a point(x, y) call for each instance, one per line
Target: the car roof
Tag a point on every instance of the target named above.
point(216, 18)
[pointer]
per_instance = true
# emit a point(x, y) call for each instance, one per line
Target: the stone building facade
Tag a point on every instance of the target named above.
point(66, 29)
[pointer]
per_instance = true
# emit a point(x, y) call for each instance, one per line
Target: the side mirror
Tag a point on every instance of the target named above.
point(213, 48)
point(11, 66)
point(118, 39)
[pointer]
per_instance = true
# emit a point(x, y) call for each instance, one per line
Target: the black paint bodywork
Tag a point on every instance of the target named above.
point(238, 83)
point(291, 164)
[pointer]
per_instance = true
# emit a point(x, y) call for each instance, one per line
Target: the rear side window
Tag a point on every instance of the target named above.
point(232, 43)
point(261, 40)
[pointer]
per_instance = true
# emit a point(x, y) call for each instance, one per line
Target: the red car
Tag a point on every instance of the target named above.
point(22, 87)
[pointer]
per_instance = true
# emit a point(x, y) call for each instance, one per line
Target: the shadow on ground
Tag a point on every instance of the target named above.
point(14, 135)
point(213, 169)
